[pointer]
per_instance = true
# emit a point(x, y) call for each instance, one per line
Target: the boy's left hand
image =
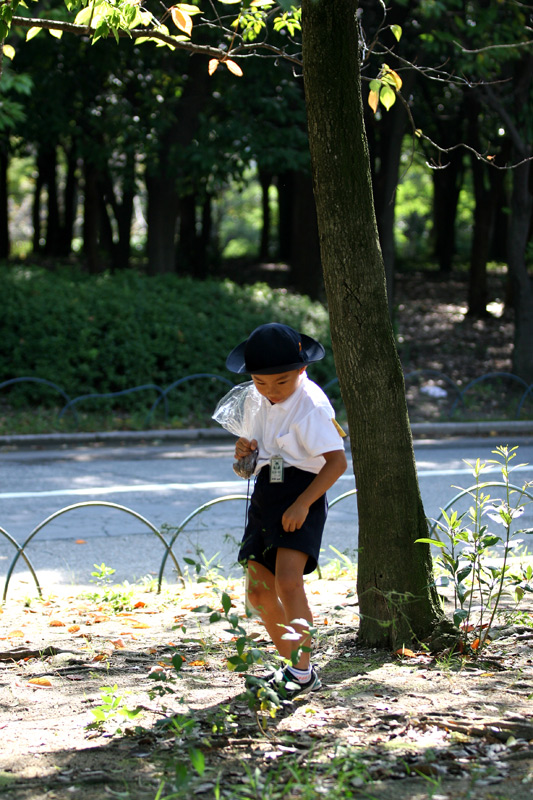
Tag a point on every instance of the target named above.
point(294, 517)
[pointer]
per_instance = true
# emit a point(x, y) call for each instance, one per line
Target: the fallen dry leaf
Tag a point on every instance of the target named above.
point(56, 623)
point(42, 682)
point(404, 651)
point(73, 629)
point(15, 635)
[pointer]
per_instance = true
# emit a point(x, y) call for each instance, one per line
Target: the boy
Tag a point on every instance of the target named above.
point(300, 455)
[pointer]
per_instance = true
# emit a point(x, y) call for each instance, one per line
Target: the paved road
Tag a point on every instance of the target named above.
point(166, 483)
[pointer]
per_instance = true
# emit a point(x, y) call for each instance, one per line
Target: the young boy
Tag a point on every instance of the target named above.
point(300, 455)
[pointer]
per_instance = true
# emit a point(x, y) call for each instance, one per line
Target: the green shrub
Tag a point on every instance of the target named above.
point(108, 333)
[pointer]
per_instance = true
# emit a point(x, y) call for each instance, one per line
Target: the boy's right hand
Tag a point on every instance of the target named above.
point(243, 447)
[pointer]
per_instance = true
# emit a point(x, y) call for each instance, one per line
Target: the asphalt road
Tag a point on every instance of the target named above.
point(162, 484)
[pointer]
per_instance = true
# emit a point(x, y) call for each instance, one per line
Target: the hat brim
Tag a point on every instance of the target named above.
point(313, 350)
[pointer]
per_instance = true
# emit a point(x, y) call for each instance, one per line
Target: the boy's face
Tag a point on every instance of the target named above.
point(278, 387)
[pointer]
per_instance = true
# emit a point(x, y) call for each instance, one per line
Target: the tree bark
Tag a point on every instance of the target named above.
point(91, 220)
point(446, 187)
point(397, 598)
point(521, 282)
point(265, 181)
point(306, 267)
point(386, 144)
point(161, 217)
point(4, 216)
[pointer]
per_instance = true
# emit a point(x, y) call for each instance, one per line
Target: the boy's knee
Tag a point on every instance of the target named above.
point(288, 584)
point(258, 593)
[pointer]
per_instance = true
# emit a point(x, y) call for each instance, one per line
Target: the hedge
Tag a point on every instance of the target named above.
point(107, 333)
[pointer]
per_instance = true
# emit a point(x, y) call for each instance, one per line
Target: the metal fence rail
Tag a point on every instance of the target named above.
point(459, 392)
point(167, 546)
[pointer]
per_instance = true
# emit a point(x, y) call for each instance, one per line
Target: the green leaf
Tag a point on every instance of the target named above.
point(387, 97)
point(463, 573)
point(226, 602)
point(396, 31)
point(84, 16)
point(32, 33)
point(436, 542)
point(55, 33)
point(459, 615)
point(197, 760)
point(188, 9)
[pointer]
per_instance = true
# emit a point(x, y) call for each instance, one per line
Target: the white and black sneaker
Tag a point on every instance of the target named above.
point(288, 686)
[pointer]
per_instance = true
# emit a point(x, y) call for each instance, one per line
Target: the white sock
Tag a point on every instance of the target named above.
point(301, 675)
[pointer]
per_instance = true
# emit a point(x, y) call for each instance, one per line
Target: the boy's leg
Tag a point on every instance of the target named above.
point(263, 597)
point(290, 589)
point(280, 599)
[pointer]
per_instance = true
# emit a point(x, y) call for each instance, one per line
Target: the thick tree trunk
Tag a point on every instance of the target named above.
point(397, 599)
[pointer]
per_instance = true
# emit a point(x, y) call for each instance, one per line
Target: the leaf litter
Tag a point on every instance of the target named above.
point(412, 723)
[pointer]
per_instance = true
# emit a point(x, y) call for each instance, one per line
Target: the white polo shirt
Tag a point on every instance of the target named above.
point(300, 429)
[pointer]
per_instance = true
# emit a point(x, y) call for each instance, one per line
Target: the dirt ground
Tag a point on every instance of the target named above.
point(414, 725)
point(382, 726)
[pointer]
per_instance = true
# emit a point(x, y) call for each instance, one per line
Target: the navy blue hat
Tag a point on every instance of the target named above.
point(274, 348)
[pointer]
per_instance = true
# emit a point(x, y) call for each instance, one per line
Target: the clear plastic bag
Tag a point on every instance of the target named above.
point(235, 412)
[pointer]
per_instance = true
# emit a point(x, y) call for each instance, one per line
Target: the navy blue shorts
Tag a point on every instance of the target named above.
point(264, 532)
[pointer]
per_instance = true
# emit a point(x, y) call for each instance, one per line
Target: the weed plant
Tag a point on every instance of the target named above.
point(475, 558)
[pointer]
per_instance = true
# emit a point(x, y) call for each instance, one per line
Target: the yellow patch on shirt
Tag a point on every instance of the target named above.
point(338, 428)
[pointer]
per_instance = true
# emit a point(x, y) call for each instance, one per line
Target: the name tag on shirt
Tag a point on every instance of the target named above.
point(276, 469)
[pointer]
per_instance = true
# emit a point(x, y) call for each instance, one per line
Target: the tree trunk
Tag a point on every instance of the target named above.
point(388, 144)
point(397, 598)
point(187, 255)
point(446, 187)
point(161, 217)
point(69, 204)
point(306, 266)
point(285, 201)
point(4, 217)
point(91, 220)
point(265, 181)
point(485, 192)
point(522, 286)
point(481, 239)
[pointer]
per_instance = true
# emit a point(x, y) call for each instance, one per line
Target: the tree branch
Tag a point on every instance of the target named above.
point(244, 50)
